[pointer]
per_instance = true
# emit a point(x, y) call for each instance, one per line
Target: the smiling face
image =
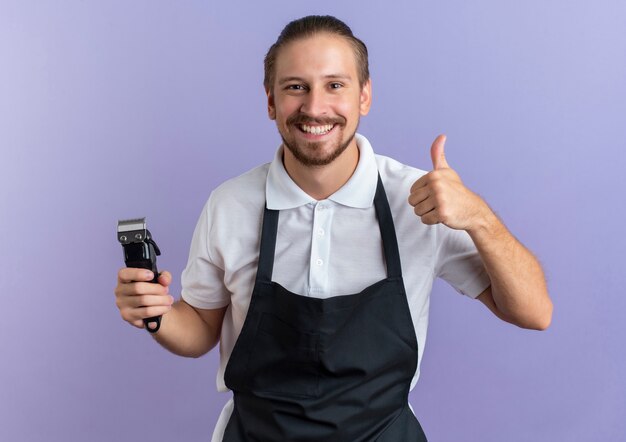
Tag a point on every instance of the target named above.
point(316, 98)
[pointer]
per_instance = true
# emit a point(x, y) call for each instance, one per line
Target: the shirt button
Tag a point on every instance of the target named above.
point(321, 207)
point(319, 262)
point(320, 232)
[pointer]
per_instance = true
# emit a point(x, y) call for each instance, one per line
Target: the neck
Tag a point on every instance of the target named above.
point(322, 181)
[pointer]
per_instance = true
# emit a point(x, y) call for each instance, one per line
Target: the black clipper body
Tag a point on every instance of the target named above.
point(140, 251)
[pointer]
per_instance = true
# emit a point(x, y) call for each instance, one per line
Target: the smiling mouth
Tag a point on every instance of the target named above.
point(316, 130)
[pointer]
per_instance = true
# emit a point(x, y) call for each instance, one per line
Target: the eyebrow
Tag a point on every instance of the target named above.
point(329, 76)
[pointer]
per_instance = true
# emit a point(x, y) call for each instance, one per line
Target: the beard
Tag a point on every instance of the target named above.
point(309, 153)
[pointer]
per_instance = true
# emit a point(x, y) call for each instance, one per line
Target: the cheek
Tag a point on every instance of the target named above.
point(351, 111)
point(287, 105)
point(348, 106)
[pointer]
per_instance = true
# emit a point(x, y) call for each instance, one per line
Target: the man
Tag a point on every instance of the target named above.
point(314, 272)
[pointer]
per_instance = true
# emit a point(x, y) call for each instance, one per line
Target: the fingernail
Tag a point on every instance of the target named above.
point(149, 275)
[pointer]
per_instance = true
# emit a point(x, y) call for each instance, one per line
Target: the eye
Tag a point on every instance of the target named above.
point(295, 87)
point(336, 85)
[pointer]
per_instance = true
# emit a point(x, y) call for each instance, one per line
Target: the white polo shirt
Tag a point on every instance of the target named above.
point(324, 248)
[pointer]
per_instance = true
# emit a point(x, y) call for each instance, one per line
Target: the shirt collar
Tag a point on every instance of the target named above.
point(281, 192)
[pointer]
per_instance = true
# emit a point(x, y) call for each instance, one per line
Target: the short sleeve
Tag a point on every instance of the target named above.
point(203, 281)
point(458, 262)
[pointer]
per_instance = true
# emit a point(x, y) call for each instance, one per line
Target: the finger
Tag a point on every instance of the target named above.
point(129, 305)
point(140, 288)
point(421, 182)
point(130, 274)
point(149, 301)
point(431, 217)
point(437, 153)
point(151, 312)
point(134, 316)
point(424, 207)
point(419, 195)
point(137, 323)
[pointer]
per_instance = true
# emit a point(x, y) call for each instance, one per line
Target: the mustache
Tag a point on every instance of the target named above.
point(305, 119)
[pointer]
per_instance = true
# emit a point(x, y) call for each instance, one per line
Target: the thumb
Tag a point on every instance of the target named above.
point(437, 154)
point(165, 278)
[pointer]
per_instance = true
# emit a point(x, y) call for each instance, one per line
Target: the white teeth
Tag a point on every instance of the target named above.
point(317, 130)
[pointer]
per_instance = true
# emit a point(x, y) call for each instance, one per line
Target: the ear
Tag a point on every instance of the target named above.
point(271, 108)
point(366, 97)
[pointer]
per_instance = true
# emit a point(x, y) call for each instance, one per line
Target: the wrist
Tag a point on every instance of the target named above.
point(485, 223)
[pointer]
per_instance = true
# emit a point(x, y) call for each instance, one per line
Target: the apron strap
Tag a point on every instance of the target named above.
point(387, 231)
point(268, 245)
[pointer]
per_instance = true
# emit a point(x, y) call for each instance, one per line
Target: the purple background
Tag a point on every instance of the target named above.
point(120, 109)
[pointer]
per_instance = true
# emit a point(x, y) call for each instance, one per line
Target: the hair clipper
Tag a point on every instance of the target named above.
point(140, 251)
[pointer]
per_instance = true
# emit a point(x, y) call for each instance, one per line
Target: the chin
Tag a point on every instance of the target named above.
point(313, 154)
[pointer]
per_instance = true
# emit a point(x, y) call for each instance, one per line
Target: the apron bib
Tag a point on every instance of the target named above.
point(334, 370)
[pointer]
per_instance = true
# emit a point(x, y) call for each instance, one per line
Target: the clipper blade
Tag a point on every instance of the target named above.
point(131, 230)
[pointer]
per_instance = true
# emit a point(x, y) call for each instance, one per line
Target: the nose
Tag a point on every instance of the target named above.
point(314, 103)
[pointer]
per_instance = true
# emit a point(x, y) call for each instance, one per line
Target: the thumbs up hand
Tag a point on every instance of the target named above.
point(441, 197)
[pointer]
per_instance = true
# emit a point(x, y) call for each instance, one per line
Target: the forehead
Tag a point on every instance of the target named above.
point(320, 55)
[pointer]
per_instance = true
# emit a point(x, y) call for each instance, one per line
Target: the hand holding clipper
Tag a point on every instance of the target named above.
point(140, 251)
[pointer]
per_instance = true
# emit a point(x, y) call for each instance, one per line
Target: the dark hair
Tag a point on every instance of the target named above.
point(307, 27)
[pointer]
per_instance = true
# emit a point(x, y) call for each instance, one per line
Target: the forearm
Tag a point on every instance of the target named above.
point(185, 333)
point(518, 284)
